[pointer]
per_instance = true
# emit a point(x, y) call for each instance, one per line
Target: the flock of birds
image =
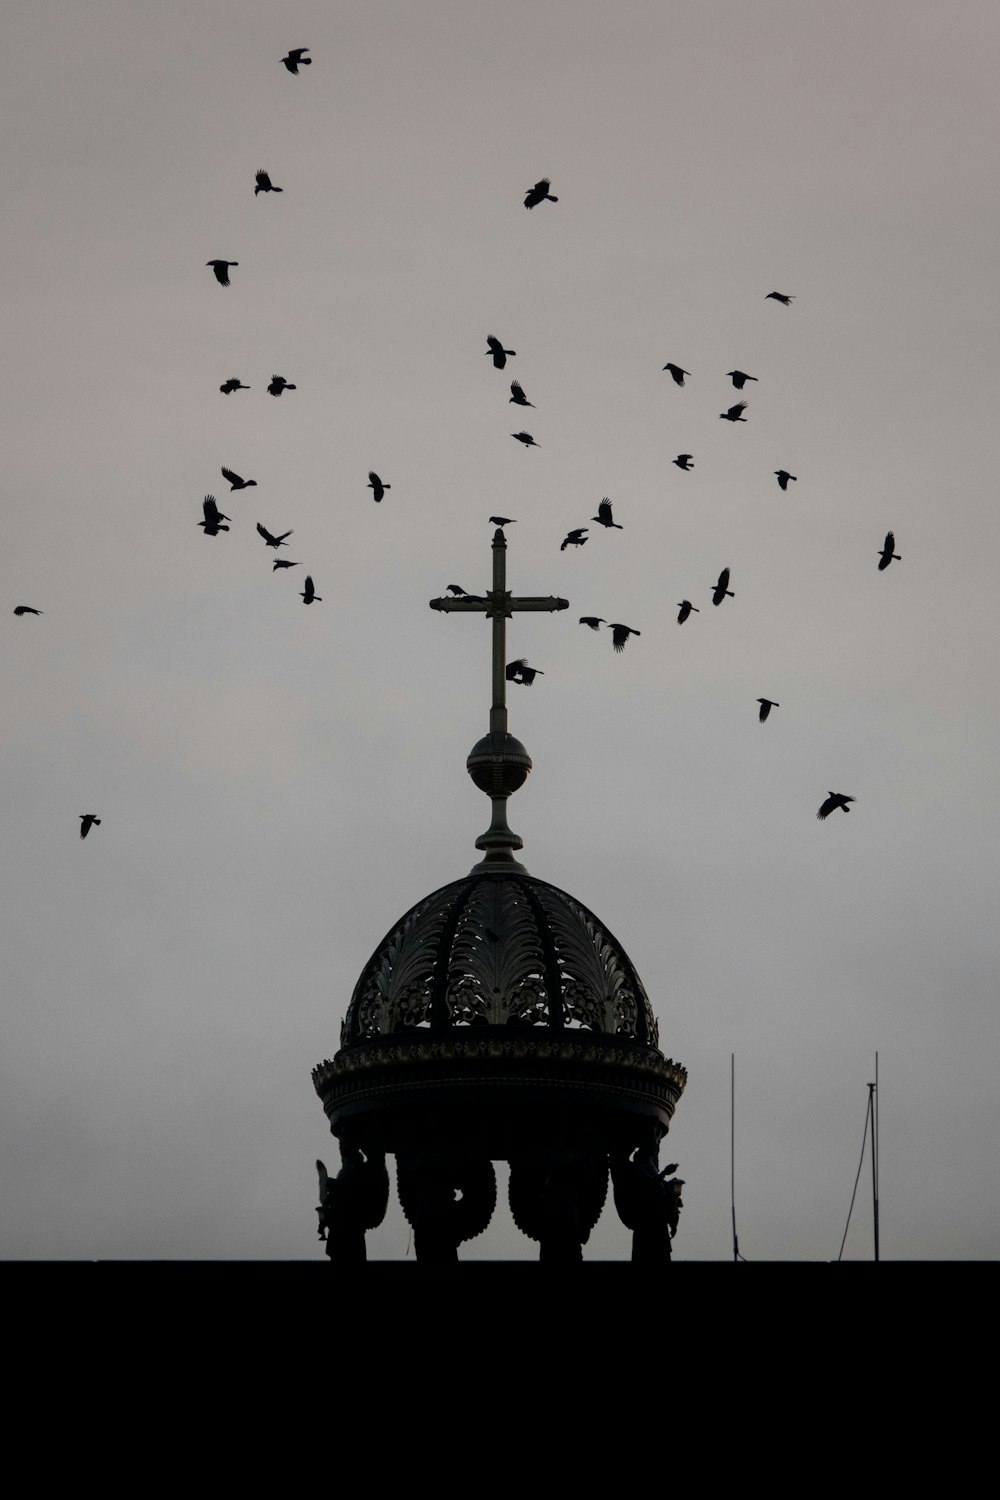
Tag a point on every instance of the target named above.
point(215, 520)
point(519, 671)
point(212, 517)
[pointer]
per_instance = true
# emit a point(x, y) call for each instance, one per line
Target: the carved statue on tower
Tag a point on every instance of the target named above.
point(351, 1203)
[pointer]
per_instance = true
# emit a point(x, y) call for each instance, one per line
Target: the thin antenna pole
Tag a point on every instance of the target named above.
point(732, 1151)
point(874, 1104)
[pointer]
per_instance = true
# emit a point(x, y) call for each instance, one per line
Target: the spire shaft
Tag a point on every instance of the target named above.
point(498, 763)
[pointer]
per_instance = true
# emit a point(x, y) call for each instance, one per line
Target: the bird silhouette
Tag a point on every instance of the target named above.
point(833, 801)
point(526, 439)
point(214, 517)
point(265, 185)
point(272, 541)
point(497, 350)
point(87, 822)
point(539, 193)
point(739, 378)
point(283, 562)
point(296, 59)
point(686, 607)
point(575, 538)
point(235, 482)
point(228, 386)
point(279, 384)
point(517, 395)
point(677, 373)
point(722, 588)
point(458, 591)
point(784, 477)
point(519, 671)
point(594, 621)
point(734, 413)
point(766, 704)
point(376, 486)
point(620, 634)
point(502, 521)
point(603, 517)
point(26, 609)
point(888, 554)
point(781, 297)
point(221, 269)
point(309, 593)
point(684, 461)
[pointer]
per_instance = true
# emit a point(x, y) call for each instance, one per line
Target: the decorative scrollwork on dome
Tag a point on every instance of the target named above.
point(495, 972)
point(498, 950)
point(395, 990)
point(595, 990)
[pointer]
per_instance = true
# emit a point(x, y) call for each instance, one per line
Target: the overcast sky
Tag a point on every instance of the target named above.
point(278, 785)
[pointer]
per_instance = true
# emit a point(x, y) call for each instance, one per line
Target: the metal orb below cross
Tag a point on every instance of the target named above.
point(499, 1020)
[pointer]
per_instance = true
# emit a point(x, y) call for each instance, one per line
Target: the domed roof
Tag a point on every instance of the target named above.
point(498, 949)
point(499, 999)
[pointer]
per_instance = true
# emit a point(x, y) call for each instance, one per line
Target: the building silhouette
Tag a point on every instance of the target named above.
point(499, 1020)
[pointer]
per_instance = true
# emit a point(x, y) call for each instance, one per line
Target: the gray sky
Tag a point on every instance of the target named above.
point(278, 785)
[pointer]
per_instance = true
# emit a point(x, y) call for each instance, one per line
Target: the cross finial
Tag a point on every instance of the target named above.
point(498, 763)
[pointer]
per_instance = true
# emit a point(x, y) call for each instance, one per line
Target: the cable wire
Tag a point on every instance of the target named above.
point(857, 1179)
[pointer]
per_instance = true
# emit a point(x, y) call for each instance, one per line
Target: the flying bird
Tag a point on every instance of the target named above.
point(593, 621)
point(888, 554)
point(739, 378)
point(620, 634)
point(88, 821)
point(282, 562)
point(213, 517)
point(833, 801)
point(517, 394)
point(235, 482)
point(519, 671)
point(784, 477)
point(228, 386)
point(498, 351)
point(685, 609)
point(279, 384)
point(575, 538)
point(684, 460)
point(603, 517)
point(272, 541)
point(309, 593)
point(502, 521)
point(781, 297)
point(296, 59)
point(526, 439)
point(677, 373)
point(539, 193)
point(766, 704)
point(722, 588)
point(221, 269)
point(265, 185)
point(26, 609)
point(735, 413)
point(376, 486)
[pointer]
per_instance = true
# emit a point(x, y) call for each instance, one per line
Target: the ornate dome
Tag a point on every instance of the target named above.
point(504, 982)
point(498, 949)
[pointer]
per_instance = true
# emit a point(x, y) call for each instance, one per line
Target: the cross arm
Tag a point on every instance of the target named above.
point(475, 604)
point(467, 604)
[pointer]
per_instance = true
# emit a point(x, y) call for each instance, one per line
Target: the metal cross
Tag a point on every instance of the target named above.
point(498, 605)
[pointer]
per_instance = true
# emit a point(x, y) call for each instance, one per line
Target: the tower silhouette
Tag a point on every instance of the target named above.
point(499, 1020)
